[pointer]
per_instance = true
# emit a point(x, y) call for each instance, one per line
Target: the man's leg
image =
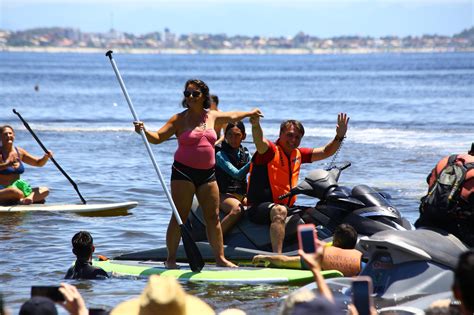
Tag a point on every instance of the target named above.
point(278, 214)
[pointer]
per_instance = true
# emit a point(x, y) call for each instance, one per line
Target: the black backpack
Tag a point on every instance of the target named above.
point(443, 197)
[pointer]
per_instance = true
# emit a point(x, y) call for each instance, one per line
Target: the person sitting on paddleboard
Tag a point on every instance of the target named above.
point(232, 166)
point(275, 169)
point(12, 188)
point(193, 170)
point(83, 247)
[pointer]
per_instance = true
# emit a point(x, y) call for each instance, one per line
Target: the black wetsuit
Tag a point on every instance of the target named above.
point(83, 269)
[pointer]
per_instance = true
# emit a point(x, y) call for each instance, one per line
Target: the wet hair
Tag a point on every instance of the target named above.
point(345, 236)
point(203, 88)
point(215, 99)
point(82, 244)
point(291, 122)
point(239, 124)
point(2, 129)
point(464, 279)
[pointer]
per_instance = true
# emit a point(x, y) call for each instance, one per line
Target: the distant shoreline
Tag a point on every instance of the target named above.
point(287, 51)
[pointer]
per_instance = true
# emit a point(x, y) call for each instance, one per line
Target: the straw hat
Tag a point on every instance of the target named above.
point(163, 295)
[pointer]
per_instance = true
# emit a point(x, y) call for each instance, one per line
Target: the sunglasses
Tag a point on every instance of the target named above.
point(192, 93)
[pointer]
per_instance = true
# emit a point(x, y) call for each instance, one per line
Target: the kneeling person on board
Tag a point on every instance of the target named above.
point(83, 247)
point(341, 255)
point(274, 171)
point(232, 166)
point(12, 188)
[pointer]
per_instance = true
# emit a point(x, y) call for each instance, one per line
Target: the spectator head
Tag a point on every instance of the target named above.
point(83, 245)
point(300, 296)
point(38, 305)
point(345, 236)
point(202, 87)
point(319, 305)
point(163, 295)
point(464, 281)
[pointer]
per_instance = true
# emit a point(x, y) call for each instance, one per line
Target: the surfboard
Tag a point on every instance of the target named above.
point(87, 209)
point(212, 273)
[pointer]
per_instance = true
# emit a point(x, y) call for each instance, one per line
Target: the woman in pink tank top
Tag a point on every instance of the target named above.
point(193, 168)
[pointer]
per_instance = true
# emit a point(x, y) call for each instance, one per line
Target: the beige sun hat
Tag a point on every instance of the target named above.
point(164, 296)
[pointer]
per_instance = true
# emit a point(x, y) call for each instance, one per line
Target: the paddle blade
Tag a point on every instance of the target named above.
point(192, 251)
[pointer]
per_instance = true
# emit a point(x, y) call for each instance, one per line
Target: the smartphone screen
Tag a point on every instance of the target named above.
point(51, 292)
point(307, 238)
point(361, 296)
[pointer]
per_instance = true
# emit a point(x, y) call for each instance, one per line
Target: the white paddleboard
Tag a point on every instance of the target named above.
point(87, 209)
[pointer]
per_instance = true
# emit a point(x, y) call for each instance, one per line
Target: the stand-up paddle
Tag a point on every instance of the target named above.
point(27, 126)
point(192, 252)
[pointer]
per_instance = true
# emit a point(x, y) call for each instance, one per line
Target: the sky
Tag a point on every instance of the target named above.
point(322, 18)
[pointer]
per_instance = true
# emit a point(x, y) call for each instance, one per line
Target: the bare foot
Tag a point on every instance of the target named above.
point(171, 265)
point(225, 263)
point(25, 201)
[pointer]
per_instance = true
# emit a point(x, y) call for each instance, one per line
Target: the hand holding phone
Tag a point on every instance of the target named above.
point(362, 295)
point(51, 292)
point(307, 237)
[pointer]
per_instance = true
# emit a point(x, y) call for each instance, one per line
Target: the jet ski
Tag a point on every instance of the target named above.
point(407, 266)
point(361, 206)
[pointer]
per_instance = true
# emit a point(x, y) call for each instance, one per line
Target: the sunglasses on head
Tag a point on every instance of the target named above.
point(192, 93)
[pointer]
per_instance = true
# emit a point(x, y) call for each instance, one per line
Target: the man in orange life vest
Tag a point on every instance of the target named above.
point(274, 171)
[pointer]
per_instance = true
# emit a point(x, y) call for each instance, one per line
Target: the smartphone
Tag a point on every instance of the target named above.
point(307, 237)
point(51, 292)
point(362, 294)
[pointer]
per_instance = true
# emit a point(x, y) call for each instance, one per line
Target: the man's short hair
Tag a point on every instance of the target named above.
point(345, 236)
point(291, 122)
point(82, 244)
point(215, 99)
point(464, 279)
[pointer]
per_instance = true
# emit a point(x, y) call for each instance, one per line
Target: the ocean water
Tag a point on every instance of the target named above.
point(406, 111)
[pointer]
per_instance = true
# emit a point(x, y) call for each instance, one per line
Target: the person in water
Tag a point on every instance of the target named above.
point(83, 247)
point(193, 170)
point(232, 166)
point(274, 171)
point(12, 159)
point(340, 254)
point(218, 128)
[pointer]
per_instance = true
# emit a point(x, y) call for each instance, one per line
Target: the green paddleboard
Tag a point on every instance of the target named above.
point(212, 273)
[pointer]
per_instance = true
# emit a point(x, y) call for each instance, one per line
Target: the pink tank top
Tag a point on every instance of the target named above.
point(196, 148)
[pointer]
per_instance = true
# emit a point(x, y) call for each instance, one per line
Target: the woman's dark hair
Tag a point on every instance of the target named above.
point(204, 90)
point(239, 124)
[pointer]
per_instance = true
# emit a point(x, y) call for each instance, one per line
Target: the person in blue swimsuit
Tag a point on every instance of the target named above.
point(232, 166)
point(13, 189)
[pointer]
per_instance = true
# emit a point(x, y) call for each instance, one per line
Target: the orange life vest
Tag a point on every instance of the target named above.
point(268, 182)
point(346, 261)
